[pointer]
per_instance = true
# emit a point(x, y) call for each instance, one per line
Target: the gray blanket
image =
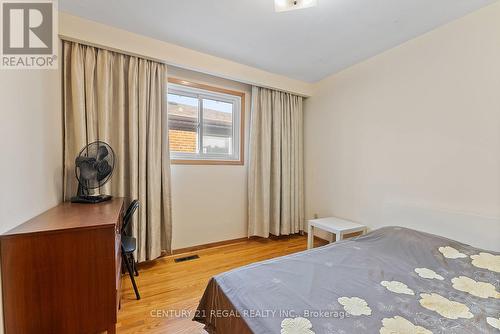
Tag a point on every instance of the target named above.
point(392, 280)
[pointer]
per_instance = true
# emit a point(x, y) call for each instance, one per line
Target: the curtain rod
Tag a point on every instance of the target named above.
point(128, 53)
point(104, 47)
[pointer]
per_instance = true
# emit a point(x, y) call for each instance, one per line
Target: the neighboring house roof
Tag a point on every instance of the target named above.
point(185, 118)
point(192, 112)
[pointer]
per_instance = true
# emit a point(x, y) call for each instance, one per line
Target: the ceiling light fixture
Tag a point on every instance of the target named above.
point(286, 5)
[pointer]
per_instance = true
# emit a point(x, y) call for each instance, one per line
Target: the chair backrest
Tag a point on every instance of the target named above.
point(127, 218)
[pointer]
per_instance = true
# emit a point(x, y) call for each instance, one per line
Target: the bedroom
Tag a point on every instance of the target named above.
point(237, 125)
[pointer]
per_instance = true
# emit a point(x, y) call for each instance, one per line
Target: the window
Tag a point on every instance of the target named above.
point(205, 124)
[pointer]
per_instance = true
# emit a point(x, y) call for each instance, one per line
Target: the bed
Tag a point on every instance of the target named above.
point(392, 280)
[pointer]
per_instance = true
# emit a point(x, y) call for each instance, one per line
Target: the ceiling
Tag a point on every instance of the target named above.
point(307, 44)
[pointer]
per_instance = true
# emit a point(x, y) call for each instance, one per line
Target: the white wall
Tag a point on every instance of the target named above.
point(30, 145)
point(209, 203)
point(412, 137)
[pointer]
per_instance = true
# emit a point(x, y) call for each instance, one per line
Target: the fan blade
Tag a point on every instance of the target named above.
point(103, 170)
point(102, 152)
point(80, 160)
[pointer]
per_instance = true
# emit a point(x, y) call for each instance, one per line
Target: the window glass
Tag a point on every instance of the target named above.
point(203, 124)
point(183, 123)
point(217, 127)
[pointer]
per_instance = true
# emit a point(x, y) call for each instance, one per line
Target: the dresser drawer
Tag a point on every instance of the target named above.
point(60, 270)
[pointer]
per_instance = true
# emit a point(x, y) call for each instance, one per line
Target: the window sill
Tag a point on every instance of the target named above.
point(207, 162)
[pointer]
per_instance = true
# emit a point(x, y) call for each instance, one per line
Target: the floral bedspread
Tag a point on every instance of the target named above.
point(392, 280)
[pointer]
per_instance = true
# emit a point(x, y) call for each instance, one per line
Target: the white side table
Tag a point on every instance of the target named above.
point(334, 225)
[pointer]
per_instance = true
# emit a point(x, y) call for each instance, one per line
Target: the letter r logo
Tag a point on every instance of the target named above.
point(27, 27)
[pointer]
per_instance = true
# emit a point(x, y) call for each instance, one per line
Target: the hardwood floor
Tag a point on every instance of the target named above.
point(170, 291)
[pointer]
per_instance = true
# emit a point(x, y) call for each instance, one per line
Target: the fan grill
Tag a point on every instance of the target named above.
point(94, 165)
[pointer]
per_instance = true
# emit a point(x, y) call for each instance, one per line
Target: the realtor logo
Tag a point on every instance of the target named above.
point(29, 37)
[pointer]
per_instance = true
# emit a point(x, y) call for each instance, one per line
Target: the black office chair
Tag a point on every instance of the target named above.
point(129, 245)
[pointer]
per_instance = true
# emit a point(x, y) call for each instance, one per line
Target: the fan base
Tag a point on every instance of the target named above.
point(90, 199)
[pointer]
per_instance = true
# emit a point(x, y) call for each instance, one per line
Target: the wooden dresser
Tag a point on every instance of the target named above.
point(61, 270)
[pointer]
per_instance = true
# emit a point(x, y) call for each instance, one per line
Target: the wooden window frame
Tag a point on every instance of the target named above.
point(209, 88)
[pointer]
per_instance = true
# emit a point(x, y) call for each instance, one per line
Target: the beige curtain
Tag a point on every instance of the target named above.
point(275, 177)
point(119, 99)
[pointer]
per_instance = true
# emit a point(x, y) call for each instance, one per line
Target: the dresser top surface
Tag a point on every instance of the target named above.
point(71, 216)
